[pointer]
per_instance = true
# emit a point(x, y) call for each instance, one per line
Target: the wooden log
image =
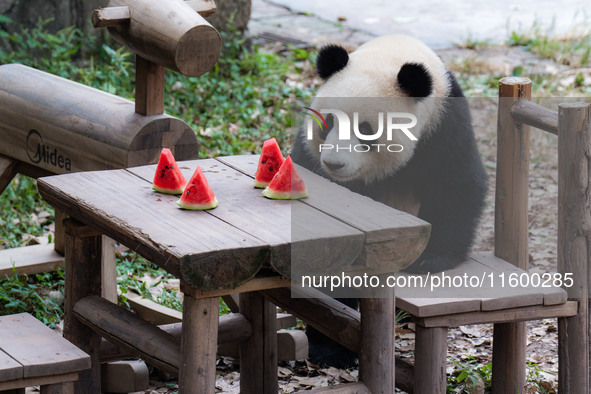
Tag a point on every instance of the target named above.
point(169, 33)
point(574, 242)
point(83, 279)
point(525, 111)
point(126, 330)
point(110, 16)
point(149, 87)
point(258, 354)
point(376, 356)
point(511, 227)
point(8, 170)
point(332, 318)
point(291, 345)
point(405, 373)
point(60, 126)
point(199, 345)
point(430, 375)
point(233, 328)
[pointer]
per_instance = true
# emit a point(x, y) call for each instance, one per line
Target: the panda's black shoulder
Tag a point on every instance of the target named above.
point(455, 89)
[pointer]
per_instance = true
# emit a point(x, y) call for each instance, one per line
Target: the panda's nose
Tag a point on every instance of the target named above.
point(333, 166)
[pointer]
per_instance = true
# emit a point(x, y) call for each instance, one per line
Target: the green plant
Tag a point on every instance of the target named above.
point(468, 375)
point(38, 295)
point(534, 377)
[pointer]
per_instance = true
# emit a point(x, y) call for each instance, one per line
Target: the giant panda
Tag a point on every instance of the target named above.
point(438, 177)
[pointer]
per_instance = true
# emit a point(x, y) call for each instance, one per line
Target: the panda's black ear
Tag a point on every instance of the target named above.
point(414, 80)
point(331, 59)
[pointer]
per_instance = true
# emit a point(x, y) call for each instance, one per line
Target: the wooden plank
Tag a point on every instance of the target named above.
point(199, 345)
point(152, 311)
point(8, 170)
point(170, 243)
point(425, 307)
point(83, 278)
point(511, 227)
point(149, 87)
point(535, 312)
point(43, 380)
point(430, 374)
point(376, 355)
point(9, 368)
point(58, 388)
point(169, 33)
point(30, 260)
point(40, 350)
point(525, 111)
point(87, 128)
point(258, 354)
point(110, 16)
point(203, 7)
point(379, 224)
point(574, 242)
point(255, 284)
point(297, 228)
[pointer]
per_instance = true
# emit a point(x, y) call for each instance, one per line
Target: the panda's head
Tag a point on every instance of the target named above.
point(392, 74)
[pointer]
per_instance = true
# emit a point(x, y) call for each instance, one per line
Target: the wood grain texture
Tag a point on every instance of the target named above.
point(39, 349)
point(511, 227)
point(169, 33)
point(376, 355)
point(8, 170)
point(525, 111)
point(58, 388)
point(574, 242)
point(110, 16)
point(30, 260)
point(128, 331)
point(44, 118)
point(9, 368)
point(258, 354)
point(43, 380)
point(83, 279)
point(203, 7)
point(149, 87)
point(199, 345)
point(430, 375)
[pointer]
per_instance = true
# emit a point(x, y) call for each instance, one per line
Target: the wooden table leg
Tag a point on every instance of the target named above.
point(199, 341)
point(430, 359)
point(376, 358)
point(83, 278)
point(258, 354)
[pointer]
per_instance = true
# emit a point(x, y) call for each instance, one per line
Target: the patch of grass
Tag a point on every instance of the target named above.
point(40, 295)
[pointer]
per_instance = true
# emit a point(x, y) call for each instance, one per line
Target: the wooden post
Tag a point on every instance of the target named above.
point(199, 345)
point(59, 240)
point(376, 357)
point(109, 270)
point(149, 87)
point(574, 242)
point(511, 228)
point(430, 376)
point(83, 278)
point(258, 354)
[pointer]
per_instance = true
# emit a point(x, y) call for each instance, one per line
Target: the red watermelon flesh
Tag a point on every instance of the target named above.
point(197, 195)
point(168, 177)
point(269, 162)
point(286, 184)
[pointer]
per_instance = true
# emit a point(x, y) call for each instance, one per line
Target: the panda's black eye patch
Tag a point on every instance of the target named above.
point(330, 123)
point(331, 59)
point(414, 80)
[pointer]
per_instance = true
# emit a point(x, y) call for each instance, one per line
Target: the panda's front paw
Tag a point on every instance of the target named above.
point(331, 354)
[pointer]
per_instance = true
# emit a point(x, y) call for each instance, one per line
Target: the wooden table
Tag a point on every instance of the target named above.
point(242, 246)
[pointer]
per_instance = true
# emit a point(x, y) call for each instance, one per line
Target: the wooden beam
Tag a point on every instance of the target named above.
point(149, 87)
point(110, 16)
point(574, 242)
point(525, 111)
point(203, 7)
point(30, 260)
point(255, 284)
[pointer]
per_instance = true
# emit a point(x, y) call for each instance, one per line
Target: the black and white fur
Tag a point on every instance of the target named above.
point(440, 178)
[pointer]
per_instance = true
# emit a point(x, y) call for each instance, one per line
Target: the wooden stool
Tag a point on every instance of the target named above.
point(31, 354)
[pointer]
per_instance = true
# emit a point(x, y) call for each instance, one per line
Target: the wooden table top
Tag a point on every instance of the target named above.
point(226, 246)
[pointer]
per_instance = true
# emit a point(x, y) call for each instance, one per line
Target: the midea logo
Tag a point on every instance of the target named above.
point(39, 152)
point(344, 129)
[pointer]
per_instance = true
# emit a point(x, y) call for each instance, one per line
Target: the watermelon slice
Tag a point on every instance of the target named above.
point(269, 162)
point(197, 195)
point(168, 177)
point(286, 184)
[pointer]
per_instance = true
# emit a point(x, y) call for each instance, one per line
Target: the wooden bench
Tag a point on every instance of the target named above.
point(510, 307)
point(32, 354)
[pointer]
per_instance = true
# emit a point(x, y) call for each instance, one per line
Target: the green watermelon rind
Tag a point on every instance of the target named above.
point(198, 207)
point(260, 185)
point(275, 195)
point(168, 191)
